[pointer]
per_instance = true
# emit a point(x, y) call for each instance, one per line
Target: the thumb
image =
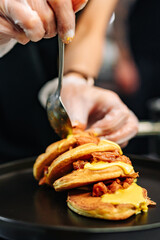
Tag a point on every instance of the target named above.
point(77, 113)
point(78, 116)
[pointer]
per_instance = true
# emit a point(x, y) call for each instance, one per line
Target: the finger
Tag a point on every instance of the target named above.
point(78, 4)
point(7, 31)
point(112, 121)
point(27, 19)
point(47, 17)
point(126, 132)
point(65, 17)
point(123, 145)
point(77, 115)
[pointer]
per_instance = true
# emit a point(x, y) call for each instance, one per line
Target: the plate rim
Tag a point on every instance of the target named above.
point(28, 163)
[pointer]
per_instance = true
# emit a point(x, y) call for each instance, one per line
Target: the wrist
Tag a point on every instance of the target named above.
point(78, 78)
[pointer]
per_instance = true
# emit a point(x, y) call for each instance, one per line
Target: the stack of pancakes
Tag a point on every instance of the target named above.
point(100, 179)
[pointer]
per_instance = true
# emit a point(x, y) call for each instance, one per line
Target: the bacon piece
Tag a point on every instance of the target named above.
point(105, 156)
point(124, 159)
point(114, 186)
point(87, 139)
point(110, 157)
point(79, 164)
point(99, 189)
point(111, 186)
point(127, 182)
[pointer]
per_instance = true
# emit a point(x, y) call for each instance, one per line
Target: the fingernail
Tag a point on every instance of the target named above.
point(78, 5)
point(81, 7)
point(68, 36)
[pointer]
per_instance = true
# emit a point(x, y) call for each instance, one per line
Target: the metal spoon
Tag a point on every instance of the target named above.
point(57, 115)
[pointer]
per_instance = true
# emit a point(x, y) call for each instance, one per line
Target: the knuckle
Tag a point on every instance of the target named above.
point(32, 22)
point(34, 29)
point(48, 15)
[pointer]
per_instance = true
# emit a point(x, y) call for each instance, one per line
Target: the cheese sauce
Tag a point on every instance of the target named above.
point(127, 168)
point(104, 141)
point(131, 195)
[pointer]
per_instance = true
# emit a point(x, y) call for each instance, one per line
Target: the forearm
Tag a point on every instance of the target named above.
point(84, 54)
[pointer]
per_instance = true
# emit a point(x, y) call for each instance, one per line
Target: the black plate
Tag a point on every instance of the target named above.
point(28, 211)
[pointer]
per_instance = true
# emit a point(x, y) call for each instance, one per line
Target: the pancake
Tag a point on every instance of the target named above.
point(52, 152)
point(64, 163)
point(82, 177)
point(83, 203)
point(100, 179)
point(57, 148)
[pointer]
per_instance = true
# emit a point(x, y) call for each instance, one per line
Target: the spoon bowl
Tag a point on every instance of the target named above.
point(57, 114)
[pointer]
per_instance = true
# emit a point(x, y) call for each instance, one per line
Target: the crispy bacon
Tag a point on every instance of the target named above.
point(111, 186)
point(86, 139)
point(114, 186)
point(105, 156)
point(79, 164)
point(110, 157)
point(127, 182)
point(99, 189)
point(124, 159)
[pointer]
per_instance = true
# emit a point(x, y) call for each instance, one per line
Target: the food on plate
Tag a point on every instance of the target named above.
point(118, 205)
point(101, 180)
point(58, 148)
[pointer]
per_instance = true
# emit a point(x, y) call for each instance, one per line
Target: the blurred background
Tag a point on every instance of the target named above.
point(131, 67)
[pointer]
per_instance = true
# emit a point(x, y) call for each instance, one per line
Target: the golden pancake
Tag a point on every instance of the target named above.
point(82, 177)
point(85, 204)
point(84, 161)
point(52, 152)
point(63, 164)
point(57, 148)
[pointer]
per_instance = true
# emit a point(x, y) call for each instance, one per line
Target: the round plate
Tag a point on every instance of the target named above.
point(29, 211)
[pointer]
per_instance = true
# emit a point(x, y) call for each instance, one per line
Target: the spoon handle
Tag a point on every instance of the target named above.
point(61, 65)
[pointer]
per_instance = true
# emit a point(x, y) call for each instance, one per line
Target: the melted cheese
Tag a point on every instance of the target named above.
point(127, 168)
point(62, 143)
point(104, 141)
point(131, 195)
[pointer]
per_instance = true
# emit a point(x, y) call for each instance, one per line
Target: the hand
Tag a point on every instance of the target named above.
point(98, 110)
point(26, 20)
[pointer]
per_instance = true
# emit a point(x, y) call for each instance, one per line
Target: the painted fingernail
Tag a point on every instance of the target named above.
point(78, 5)
point(68, 36)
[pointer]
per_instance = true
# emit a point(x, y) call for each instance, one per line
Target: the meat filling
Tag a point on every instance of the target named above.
point(86, 139)
point(79, 164)
point(101, 156)
point(110, 157)
point(111, 186)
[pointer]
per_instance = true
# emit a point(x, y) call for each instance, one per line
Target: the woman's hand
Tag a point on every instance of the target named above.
point(32, 20)
point(99, 110)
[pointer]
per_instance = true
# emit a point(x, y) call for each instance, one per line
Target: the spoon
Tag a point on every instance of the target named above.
point(57, 115)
